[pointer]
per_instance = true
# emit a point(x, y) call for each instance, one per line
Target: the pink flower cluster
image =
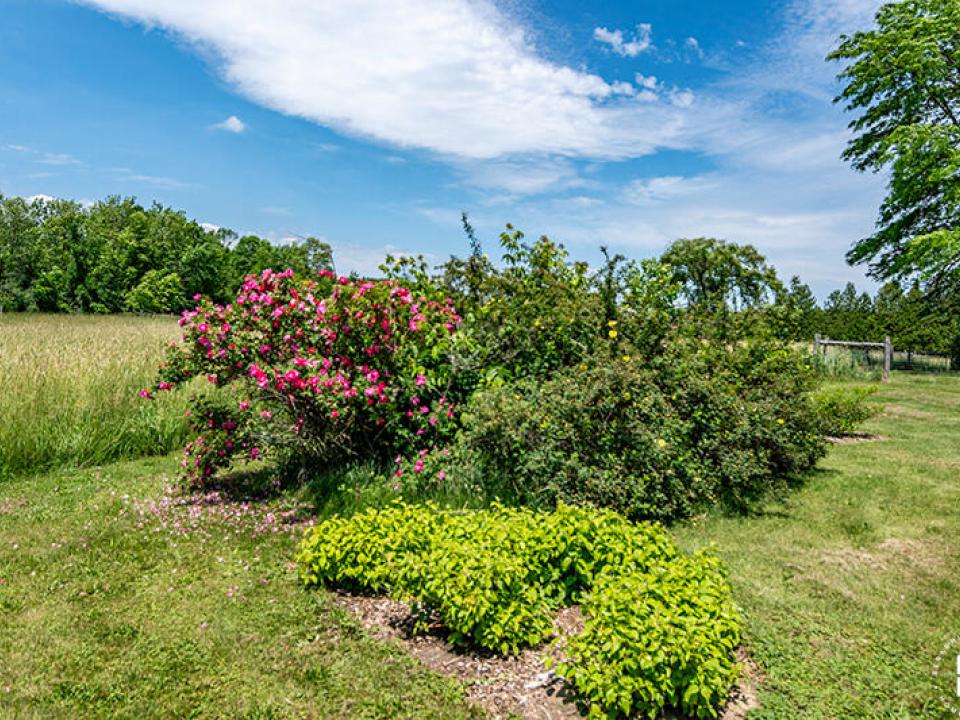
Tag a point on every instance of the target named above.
point(352, 366)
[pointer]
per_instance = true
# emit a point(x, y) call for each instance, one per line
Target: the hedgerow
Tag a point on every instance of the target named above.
point(555, 384)
point(660, 626)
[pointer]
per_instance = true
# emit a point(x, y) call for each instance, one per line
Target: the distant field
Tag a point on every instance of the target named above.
point(70, 387)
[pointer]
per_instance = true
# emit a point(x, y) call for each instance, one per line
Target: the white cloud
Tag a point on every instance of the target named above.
point(57, 159)
point(795, 58)
point(682, 98)
point(40, 197)
point(232, 124)
point(647, 191)
point(522, 176)
point(646, 81)
point(458, 77)
point(693, 45)
point(209, 227)
point(365, 261)
point(43, 157)
point(641, 42)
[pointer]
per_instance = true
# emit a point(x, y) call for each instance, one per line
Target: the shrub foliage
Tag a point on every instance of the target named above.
point(660, 627)
point(547, 383)
point(841, 410)
point(334, 369)
point(651, 441)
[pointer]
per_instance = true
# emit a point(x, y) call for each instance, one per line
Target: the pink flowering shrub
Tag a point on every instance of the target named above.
point(326, 370)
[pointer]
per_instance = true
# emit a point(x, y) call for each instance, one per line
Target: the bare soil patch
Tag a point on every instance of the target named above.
point(858, 437)
point(891, 552)
point(508, 686)
point(8, 506)
point(908, 412)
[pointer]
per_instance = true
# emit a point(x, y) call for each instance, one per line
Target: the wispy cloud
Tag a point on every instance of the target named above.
point(647, 191)
point(693, 46)
point(43, 157)
point(162, 182)
point(523, 176)
point(57, 159)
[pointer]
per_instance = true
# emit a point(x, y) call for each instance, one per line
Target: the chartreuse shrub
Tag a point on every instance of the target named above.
point(843, 409)
point(660, 626)
point(660, 637)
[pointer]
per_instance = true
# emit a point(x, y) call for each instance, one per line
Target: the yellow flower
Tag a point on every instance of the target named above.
point(582, 367)
point(661, 443)
point(612, 323)
point(612, 334)
point(780, 421)
point(626, 358)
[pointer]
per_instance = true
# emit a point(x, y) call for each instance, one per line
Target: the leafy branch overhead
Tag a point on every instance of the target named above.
point(902, 78)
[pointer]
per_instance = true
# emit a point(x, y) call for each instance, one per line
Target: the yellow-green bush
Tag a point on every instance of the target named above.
point(660, 626)
point(841, 410)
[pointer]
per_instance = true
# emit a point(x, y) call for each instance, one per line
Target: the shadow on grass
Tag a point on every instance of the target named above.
point(260, 483)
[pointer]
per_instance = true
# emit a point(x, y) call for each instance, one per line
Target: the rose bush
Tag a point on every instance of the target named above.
point(329, 369)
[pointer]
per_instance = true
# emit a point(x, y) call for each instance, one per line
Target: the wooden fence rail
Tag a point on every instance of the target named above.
point(887, 347)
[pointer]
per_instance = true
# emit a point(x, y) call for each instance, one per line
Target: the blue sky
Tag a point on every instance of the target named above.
point(373, 123)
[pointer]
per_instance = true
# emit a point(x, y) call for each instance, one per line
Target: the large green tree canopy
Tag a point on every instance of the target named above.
point(902, 78)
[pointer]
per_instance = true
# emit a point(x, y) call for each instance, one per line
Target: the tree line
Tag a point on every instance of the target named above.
point(912, 319)
point(119, 256)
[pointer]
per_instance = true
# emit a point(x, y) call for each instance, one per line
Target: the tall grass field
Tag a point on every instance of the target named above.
point(70, 391)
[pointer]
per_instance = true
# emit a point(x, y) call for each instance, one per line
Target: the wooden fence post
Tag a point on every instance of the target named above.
point(887, 358)
point(816, 344)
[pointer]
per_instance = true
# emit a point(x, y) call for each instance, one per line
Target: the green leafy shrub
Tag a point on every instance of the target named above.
point(752, 427)
point(841, 410)
point(650, 440)
point(659, 638)
point(540, 312)
point(495, 577)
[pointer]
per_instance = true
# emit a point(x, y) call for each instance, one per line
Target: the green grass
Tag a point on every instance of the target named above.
point(71, 388)
point(851, 589)
point(101, 618)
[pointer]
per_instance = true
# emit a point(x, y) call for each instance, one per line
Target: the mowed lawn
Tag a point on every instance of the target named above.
point(852, 588)
point(849, 591)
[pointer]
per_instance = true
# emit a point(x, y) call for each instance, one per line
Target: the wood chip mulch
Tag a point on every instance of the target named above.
point(507, 687)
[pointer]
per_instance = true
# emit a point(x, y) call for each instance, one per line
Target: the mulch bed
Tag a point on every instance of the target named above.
point(507, 686)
